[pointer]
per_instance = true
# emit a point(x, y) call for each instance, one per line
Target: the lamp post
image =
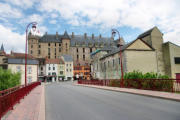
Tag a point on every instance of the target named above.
point(114, 32)
point(34, 28)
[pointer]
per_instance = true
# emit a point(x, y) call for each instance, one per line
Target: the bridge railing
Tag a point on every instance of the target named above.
point(167, 85)
point(11, 96)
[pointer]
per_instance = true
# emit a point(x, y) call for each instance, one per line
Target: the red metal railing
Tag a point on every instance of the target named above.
point(168, 85)
point(9, 97)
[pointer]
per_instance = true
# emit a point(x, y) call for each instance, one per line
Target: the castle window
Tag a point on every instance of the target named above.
point(90, 50)
point(55, 56)
point(39, 46)
point(49, 44)
point(55, 50)
point(83, 57)
point(83, 50)
point(31, 52)
point(39, 52)
point(59, 44)
point(49, 56)
point(77, 57)
point(49, 50)
point(59, 49)
point(66, 45)
point(55, 44)
point(77, 50)
point(31, 46)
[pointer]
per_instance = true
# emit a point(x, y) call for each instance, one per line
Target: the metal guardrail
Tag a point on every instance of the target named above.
point(167, 85)
point(9, 97)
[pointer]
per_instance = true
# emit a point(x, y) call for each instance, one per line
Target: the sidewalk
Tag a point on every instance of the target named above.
point(32, 107)
point(157, 94)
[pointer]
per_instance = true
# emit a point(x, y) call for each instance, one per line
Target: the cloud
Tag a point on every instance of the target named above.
point(53, 22)
point(12, 40)
point(6, 11)
point(25, 4)
point(141, 14)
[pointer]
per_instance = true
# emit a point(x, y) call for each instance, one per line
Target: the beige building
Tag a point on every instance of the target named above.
point(147, 53)
point(16, 63)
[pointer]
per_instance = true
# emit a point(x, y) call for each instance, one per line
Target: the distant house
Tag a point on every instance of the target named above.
point(54, 69)
point(16, 63)
point(68, 60)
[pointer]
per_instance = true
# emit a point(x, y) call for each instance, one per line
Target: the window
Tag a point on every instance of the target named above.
point(49, 50)
point(53, 68)
point(83, 50)
point(177, 60)
point(41, 68)
point(39, 46)
point(59, 49)
point(49, 44)
point(53, 73)
point(66, 45)
point(55, 50)
point(67, 65)
point(55, 56)
point(31, 52)
point(29, 79)
point(77, 57)
point(61, 72)
point(90, 50)
point(49, 56)
point(59, 44)
point(70, 70)
point(49, 73)
point(31, 46)
point(77, 50)
point(70, 65)
point(54, 44)
point(41, 73)
point(29, 70)
point(66, 50)
point(49, 68)
point(83, 57)
point(18, 68)
point(39, 52)
point(66, 70)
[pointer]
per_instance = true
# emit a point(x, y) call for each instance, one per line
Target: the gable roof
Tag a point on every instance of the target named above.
point(19, 55)
point(65, 36)
point(124, 47)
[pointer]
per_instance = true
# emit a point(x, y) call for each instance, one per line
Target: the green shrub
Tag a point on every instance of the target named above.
point(9, 79)
point(137, 79)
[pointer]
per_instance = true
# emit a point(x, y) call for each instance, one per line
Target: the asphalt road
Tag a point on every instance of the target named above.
point(68, 102)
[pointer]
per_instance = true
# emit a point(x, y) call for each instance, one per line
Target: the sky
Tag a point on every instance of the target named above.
point(129, 17)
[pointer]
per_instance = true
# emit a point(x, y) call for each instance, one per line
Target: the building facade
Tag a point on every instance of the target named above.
point(147, 53)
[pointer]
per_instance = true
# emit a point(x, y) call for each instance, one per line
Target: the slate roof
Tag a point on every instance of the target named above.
point(148, 32)
point(114, 51)
point(19, 55)
point(54, 61)
point(78, 39)
point(81, 40)
point(67, 58)
point(2, 48)
point(21, 61)
point(107, 48)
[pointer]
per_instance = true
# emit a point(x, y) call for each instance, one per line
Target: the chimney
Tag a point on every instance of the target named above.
point(92, 36)
point(72, 34)
point(85, 35)
point(100, 36)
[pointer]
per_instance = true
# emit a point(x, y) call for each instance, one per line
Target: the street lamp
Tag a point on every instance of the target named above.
point(114, 32)
point(33, 28)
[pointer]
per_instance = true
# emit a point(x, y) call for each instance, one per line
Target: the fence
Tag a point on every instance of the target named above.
point(9, 97)
point(168, 85)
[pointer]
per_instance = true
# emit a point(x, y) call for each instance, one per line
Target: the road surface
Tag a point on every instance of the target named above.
point(65, 101)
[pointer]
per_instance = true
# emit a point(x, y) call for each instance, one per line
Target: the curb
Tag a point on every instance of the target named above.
point(147, 95)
